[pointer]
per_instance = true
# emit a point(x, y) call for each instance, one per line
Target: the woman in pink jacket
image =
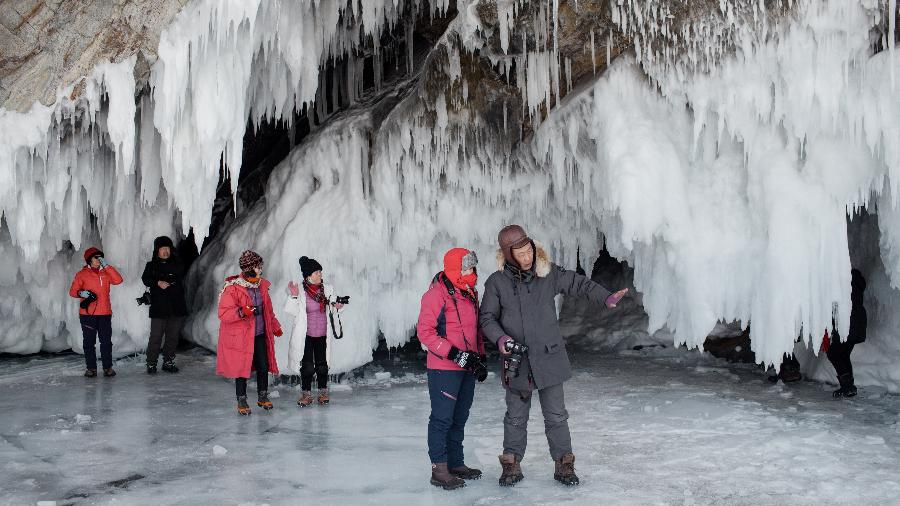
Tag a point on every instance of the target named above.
point(247, 332)
point(448, 327)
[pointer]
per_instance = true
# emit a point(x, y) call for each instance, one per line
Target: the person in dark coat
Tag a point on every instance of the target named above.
point(518, 307)
point(839, 352)
point(164, 277)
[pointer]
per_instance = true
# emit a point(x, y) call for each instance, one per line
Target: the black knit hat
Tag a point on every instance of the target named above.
point(308, 266)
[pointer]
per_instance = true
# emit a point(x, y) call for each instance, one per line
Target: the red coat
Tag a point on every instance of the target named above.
point(440, 326)
point(97, 281)
point(236, 332)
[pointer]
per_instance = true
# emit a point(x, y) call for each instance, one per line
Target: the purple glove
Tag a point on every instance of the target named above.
point(614, 299)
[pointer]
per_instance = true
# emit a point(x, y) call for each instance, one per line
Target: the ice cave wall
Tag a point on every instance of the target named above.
point(720, 158)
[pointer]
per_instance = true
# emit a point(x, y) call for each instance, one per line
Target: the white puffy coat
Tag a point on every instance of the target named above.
point(296, 307)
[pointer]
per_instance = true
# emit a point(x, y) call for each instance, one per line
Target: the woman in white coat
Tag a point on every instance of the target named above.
point(312, 304)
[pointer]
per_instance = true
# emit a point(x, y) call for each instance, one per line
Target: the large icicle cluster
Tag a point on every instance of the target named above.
point(90, 170)
point(725, 178)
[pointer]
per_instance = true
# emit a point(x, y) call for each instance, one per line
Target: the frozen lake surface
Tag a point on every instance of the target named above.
point(649, 427)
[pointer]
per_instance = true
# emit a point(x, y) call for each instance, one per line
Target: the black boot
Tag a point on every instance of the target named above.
point(169, 366)
point(848, 389)
point(151, 368)
point(90, 373)
point(109, 373)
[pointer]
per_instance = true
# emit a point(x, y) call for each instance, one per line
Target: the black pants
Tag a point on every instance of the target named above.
point(159, 327)
point(261, 364)
point(839, 356)
point(91, 327)
point(314, 363)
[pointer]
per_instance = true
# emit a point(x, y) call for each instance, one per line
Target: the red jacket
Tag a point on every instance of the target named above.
point(440, 326)
point(236, 332)
point(97, 281)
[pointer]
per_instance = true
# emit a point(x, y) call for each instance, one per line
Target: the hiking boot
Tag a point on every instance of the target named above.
point(109, 373)
point(242, 407)
point(263, 400)
point(305, 399)
point(323, 396)
point(441, 477)
point(90, 373)
point(151, 368)
point(848, 389)
point(565, 470)
point(169, 366)
point(512, 471)
point(466, 473)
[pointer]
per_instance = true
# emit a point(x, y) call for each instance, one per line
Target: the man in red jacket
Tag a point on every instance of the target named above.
point(91, 285)
point(448, 327)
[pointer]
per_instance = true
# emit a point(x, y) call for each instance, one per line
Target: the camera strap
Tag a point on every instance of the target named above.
point(340, 325)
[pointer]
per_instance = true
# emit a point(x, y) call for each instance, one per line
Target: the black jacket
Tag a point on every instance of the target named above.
point(858, 317)
point(169, 302)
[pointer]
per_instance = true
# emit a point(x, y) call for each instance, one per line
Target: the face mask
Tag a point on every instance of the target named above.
point(470, 280)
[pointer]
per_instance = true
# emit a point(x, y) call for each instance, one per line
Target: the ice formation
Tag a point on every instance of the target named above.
point(720, 160)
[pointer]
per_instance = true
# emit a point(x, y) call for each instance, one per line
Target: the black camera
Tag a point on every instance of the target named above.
point(85, 302)
point(144, 299)
point(342, 299)
point(517, 352)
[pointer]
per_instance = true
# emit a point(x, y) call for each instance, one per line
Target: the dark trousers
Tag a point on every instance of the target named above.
point(452, 393)
point(839, 356)
point(91, 328)
point(556, 421)
point(171, 329)
point(314, 363)
point(261, 364)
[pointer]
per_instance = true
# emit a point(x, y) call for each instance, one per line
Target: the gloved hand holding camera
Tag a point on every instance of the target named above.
point(469, 361)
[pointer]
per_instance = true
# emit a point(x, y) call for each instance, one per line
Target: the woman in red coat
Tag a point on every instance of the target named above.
point(91, 285)
point(247, 332)
point(448, 327)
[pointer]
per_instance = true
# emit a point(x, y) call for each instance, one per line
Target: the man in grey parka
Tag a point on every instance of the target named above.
point(518, 305)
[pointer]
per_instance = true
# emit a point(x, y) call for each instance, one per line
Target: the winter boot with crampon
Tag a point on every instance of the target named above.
point(565, 470)
point(848, 389)
point(323, 396)
point(90, 373)
point(151, 368)
point(242, 407)
point(466, 473)
point(441, 477)
point(169, 366)
point(109, 373)
point(305, 399)
point(263, 400)
point(512, 471)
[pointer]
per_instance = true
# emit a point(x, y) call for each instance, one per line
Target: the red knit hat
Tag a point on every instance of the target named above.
point(91, 253)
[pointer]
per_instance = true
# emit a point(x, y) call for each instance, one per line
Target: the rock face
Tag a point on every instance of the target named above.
point(49, 44)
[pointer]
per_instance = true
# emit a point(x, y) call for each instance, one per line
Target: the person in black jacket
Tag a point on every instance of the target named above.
point(839, 352)
point(164, 276)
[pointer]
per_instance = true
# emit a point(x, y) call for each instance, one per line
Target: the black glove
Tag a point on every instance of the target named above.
point(460, 358)
point(468, 361)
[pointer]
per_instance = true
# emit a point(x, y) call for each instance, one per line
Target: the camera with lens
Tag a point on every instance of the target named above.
point(342, 299)
point(517, 352)
point(144, 299)
point(87, 301)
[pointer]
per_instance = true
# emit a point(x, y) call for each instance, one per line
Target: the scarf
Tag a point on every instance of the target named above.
point(517, 273)
point(316, 292)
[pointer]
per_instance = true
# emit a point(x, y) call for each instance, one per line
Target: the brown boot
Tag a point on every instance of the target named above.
point(242, 407)
point(466, 473)
point(441, 477)
point(512, 471)
point(323, 396)
point(565, 470)
point(305, 399)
